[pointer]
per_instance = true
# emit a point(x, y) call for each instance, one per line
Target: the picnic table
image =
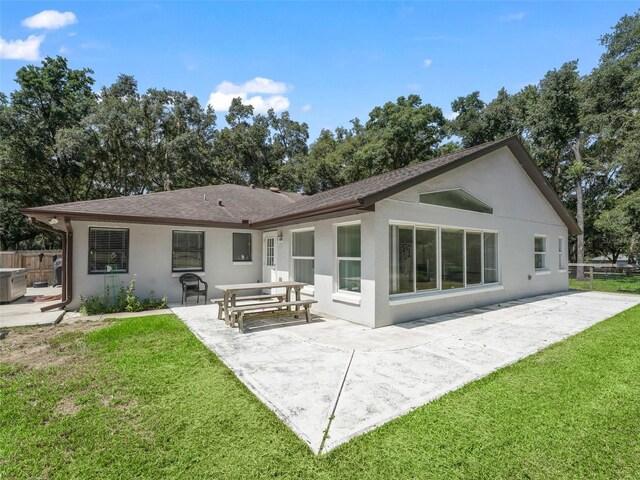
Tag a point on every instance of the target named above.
point(231, 291)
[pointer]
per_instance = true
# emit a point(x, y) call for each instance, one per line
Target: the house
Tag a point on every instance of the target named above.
point(472, 228)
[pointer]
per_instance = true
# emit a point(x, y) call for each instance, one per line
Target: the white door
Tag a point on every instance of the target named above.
point(269, 257)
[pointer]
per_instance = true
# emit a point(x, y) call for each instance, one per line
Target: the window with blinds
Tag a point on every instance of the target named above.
point(108, 250)
point(188, 251)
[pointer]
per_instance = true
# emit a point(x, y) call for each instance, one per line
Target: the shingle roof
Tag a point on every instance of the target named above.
point(359, 191)
point(239, 205)
point(259, 207)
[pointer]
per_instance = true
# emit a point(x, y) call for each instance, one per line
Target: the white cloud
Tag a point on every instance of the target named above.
point(269, 95)
point(414, 87)
point(427, 63)
point(50, 20)
point(63, 50)
point(511, 17)
point(306, 108)
point(451, 115)
point(28, 49)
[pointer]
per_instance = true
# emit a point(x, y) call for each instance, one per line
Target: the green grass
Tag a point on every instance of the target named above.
point(143, 398)
point(612, 284)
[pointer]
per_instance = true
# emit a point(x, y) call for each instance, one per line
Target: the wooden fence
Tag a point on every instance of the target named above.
point(30, 260)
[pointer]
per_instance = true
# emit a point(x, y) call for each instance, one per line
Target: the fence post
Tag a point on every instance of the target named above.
point(591, 278)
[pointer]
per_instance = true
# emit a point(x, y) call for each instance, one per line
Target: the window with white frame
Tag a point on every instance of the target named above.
point(561, 253)
point(540, 252)
point(241, 247)
point(188, 251)
point(108, 250)
point(432, 258)
point(303, 256)
point(348, 257)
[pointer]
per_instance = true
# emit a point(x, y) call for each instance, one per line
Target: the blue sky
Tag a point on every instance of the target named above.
point(324, 62)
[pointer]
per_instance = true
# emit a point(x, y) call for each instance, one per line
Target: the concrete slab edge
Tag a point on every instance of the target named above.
point(257, 391)
point(330, 445)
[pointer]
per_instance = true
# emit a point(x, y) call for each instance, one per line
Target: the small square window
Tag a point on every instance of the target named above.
point(188, 251)
point(241, 247)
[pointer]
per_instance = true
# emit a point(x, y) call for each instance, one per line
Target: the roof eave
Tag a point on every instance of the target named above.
point(335, 208)
point(101, 217)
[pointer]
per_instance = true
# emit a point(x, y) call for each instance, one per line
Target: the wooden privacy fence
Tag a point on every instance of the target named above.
point(30, 260)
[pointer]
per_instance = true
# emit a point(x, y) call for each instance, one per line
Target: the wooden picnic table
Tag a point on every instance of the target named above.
point(231, 291)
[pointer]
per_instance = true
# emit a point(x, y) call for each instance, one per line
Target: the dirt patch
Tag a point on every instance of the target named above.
point(38, 347)
point(67, 406)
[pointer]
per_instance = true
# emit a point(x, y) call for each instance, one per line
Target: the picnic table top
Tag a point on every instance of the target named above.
point(256, 286)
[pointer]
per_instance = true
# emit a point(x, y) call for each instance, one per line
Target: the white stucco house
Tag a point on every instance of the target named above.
point(476, 227)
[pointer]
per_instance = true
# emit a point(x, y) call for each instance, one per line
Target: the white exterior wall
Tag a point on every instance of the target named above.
point(150, 251)
point(355, 308)
point(520, 212)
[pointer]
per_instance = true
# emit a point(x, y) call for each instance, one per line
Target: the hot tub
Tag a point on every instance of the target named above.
point(13, 284)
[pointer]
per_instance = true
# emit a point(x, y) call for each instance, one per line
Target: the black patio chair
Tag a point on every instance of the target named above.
point(191, 287)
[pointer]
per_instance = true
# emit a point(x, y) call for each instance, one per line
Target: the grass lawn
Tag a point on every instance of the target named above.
point(143, 398)
point(611, 284)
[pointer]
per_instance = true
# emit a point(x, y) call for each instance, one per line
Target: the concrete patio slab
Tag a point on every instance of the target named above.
point(25, 312)
point(331, 380)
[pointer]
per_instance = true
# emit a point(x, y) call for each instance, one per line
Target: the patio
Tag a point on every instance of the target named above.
point(331, 380)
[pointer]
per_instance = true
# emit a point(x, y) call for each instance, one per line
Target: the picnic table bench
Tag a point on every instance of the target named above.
point(257, 299)
point(268, 310)
point(231, 297)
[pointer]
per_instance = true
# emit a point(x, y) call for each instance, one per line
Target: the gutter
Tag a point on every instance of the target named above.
point(67, 249)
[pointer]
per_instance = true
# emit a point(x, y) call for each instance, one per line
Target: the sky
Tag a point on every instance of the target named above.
point(324, 62)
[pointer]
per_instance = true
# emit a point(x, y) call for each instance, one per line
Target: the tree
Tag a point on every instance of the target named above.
point(618, 229)
point(39, 128)
point(557, 127)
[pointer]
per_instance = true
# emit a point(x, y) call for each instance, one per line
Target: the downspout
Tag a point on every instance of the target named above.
point(67, 248)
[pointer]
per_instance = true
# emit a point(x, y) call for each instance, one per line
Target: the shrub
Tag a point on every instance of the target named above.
point(125, 300)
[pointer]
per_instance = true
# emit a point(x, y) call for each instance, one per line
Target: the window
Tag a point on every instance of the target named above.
point(474, 258)
point(241, 247)
point(188, 251)
point(560, 253)
point(413, 263)
point(108, 250)
point(457, 198)
point(540, 252)
point(270, 252)
point(467, 258)
point(401, 259)
point(348, 257)
point(452, 259)
point(302, 253)
point(490, 257)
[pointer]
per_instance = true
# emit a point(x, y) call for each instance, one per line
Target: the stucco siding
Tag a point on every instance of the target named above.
point(150, 251)
point(355, 308)
point(519, 213)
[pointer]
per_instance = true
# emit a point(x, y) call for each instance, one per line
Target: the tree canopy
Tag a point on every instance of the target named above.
point(61, 141)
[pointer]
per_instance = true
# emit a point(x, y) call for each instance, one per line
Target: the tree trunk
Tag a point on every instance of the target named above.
point(579, 215)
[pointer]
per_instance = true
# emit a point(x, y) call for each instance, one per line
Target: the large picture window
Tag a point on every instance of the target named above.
point(241, 247)
point(348, 257)
point(187, 251)
point(430, 258)
point(108, 250)
point(302, 254)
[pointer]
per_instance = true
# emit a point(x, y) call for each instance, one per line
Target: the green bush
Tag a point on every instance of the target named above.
point(125, 300)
